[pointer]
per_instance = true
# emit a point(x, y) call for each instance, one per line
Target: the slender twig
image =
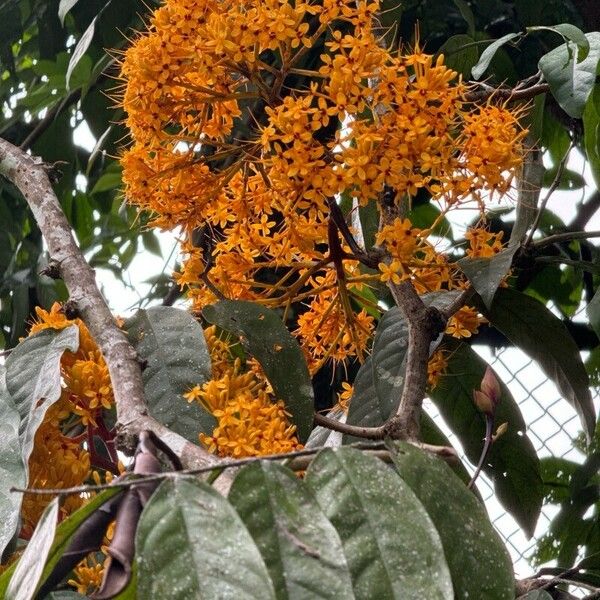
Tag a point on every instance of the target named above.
point(551, 190)
point(506, 94)
point(564, 237)
point(30, 176)
point(222, 465)
point(369, 433)
point(579, 264)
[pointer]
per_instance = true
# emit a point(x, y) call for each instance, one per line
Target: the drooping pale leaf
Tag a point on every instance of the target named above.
point(13, 471)
point(460, 54)
point(512, 463)
point(323, 436)
point(33, 384)
point(488, 54)
point(591, 132)
point(571, 82)
point(28, 570)
point(172, 342)
point(486, 274)
point(392, 546)
point(568, 32)
point(301, 548)
point(64, 533)
point(265, 337)
point(479, 563)
point(544, 337)
point(379, 381)
point(80, 49)
point(190, 543)
point(63, 8)
point(64, 595)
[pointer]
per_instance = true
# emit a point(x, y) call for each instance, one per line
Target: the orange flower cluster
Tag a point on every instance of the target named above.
point(250, 421)
point(250, 119)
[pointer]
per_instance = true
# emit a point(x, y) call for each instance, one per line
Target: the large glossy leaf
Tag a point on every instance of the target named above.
point(300, 546)
point(190, 543)
point(392, 546)
point(172, 343)
point(266, 338)
point(28, 571)
point(62, 537)
point(591, 132)
point(33, 384)
point(571, 82)
point(512, 463)
point(379, 381)
point(479, 563)
point(544, 337)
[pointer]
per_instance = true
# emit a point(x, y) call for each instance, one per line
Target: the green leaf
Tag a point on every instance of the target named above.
point(460, 54)
point(300, 546)
point(591, 132)
point(567, 32)
point(571, 82)
point(151, 243)
point(482, 568)
point(423, 217)
point(379, 381)
point(467, 15)
point(107, 182)
point(64, 533)
point(80, 49)
point(172, 342)
point(392, 546)
point(190, 543)
point(265, 337)
point(544, 337)
point(488, 54)
point(512, 463)
point(33, 384)
point(569, 180)
point(28, 571)
point(63, 8)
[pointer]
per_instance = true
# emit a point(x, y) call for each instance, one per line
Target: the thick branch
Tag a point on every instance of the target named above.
point(425, 323)
point(30, 176)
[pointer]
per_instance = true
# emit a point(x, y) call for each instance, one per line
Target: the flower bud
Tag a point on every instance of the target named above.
point(490, 386)
point(483, 402)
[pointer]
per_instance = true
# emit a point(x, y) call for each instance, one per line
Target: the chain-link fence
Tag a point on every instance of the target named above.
point(552, 425)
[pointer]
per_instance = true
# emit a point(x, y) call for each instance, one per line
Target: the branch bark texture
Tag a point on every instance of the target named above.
point(30, 176)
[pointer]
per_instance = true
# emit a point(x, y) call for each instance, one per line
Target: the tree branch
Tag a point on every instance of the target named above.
point(30, 176)
point(425, 323)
